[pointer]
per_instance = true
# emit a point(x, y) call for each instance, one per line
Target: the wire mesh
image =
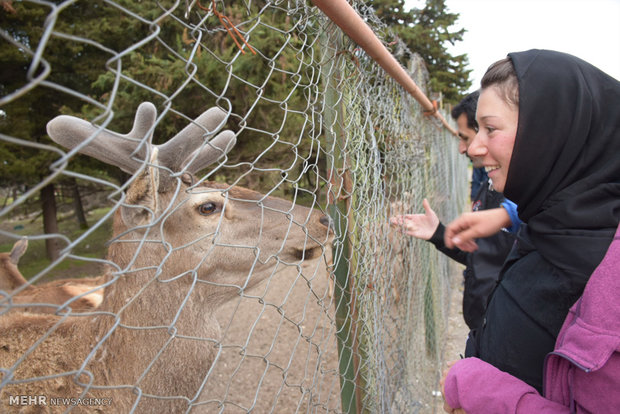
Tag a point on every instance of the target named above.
point(220, 316)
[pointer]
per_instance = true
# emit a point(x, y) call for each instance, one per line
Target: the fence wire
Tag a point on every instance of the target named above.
point(202, 312)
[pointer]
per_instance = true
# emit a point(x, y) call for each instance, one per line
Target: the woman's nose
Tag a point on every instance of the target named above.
point(476, 147)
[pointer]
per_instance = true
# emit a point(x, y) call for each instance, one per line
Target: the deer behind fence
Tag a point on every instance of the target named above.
point(180, 249)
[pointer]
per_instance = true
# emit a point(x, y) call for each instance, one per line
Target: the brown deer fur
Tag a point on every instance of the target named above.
point(80, 290)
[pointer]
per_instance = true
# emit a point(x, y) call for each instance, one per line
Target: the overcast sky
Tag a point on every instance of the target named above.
point(589, 29)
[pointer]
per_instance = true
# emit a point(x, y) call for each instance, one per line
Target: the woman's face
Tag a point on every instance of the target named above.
point(495, 139)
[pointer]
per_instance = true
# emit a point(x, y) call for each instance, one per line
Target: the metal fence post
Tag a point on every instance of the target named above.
point(339, 207)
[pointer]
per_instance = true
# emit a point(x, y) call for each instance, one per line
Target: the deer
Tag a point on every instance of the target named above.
point(181, 247)
point(47, 297)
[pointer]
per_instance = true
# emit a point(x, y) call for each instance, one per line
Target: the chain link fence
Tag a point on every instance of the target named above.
point(177, 314)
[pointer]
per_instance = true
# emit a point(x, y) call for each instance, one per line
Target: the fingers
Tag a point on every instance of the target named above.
point(465, 242)
point(452, 230)
point(399, 221)
point(427, 207)
point(451, 410)
point(420, 226)
point(461, 233)
point(458, 243)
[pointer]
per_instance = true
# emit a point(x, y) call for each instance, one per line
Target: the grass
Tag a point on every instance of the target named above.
point(35, 260)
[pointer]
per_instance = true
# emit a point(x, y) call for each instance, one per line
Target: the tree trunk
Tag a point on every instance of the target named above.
point(8, 195)
point(77, 203)
point(50, 224)
point(15, 195)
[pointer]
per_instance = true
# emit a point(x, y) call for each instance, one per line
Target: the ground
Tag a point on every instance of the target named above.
point(274, 338)
point(457, 329)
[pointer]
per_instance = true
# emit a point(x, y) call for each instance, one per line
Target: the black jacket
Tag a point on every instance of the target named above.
point(526, 310)
point(483, 265)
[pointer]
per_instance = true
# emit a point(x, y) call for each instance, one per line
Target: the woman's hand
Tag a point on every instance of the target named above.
point(442, 383)
point(468, 227)
point(420, 226)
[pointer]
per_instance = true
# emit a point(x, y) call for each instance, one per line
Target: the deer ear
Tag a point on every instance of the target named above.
point(18, 250)
point(140, 205)
point(196, 147)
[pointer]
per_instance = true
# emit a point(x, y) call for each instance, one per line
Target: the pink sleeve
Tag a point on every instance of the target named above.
point(479, 387)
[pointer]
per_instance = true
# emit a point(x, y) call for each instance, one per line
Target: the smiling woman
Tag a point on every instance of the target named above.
point(551, 145)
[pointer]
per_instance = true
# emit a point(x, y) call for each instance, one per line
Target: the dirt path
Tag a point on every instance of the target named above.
point(278, 348)
point(457, 329)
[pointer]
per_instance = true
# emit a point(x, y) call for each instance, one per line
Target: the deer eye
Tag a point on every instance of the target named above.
point(207, 208)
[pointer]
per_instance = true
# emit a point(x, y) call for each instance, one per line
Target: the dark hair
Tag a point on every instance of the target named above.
point(467, 106)
point(502, 74)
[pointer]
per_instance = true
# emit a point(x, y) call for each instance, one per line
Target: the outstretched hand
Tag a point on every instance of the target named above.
point(468, 227)
point(420, 226)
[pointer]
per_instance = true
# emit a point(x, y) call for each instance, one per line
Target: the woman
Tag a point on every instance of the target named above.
point(550, 140)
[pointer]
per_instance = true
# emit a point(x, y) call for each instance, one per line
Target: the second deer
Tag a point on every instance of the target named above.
point(80, 294)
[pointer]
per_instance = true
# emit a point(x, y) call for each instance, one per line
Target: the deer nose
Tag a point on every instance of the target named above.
point(327, 221)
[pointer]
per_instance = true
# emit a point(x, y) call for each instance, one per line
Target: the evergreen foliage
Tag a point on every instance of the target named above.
point(182, 63)
point(427, 31)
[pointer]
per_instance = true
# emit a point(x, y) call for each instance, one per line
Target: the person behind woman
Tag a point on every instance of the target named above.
point(464, 113)
point(550, 140)
point(483, 266)
point(582, 374)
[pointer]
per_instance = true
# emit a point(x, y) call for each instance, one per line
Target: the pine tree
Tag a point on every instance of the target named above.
point(426, 31)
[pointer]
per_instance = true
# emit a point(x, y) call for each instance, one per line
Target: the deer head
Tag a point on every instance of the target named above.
point(224, 237)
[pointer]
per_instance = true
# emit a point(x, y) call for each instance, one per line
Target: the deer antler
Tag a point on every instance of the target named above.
point(124, 151)
point(189, 149)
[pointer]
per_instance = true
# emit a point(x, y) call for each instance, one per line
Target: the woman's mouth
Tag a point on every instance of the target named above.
point(491, 168)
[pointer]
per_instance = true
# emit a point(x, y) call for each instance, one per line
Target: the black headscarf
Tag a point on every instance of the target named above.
point(564, 173)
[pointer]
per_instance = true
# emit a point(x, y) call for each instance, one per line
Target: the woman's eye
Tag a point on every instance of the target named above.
point(490, 130)
point(207, 208)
